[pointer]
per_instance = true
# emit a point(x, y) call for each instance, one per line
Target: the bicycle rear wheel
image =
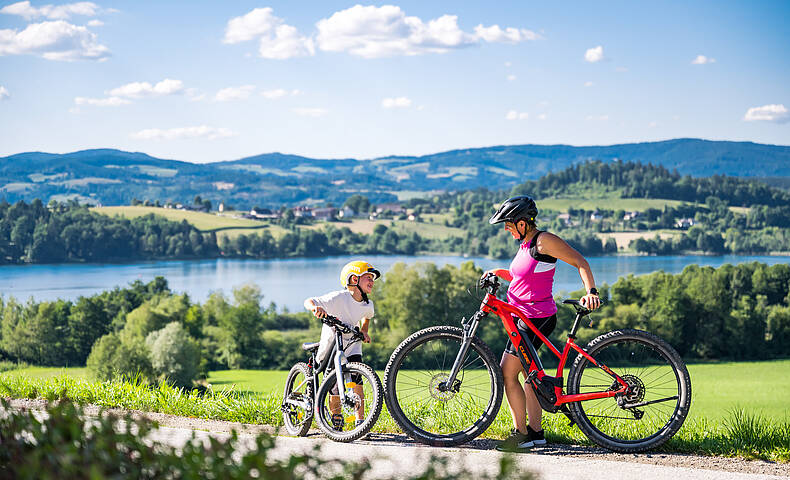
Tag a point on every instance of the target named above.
point(298, 415)
point(417, 401)
point(656, 405)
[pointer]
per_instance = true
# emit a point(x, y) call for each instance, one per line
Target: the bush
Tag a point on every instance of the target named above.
point(64, 444)
point(175, 355)
point(111, 357)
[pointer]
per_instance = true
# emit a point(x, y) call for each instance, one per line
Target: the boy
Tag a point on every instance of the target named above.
point(352, 307)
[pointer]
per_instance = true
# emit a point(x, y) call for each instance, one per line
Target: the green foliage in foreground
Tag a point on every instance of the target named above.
point(742, 433)
point(67, 445)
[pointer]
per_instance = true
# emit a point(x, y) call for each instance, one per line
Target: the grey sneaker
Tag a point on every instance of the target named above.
point(534, 438)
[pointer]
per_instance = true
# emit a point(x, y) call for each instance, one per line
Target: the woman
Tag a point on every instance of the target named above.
point(531, 277)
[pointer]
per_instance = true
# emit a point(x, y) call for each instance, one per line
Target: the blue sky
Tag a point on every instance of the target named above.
point(208, 81)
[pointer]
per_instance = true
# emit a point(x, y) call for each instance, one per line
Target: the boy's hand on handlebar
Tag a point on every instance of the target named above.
point(365, 337)
point(319, 312)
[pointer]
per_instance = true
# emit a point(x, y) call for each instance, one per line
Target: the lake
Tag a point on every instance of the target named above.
point(287, 282)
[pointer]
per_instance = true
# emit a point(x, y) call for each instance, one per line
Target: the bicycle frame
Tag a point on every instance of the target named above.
point(339, 359)
point(528, 354)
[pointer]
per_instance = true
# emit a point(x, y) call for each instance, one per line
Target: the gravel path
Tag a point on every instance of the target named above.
point(389, 450)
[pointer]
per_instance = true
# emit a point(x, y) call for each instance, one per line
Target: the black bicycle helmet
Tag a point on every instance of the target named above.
point(515, 208)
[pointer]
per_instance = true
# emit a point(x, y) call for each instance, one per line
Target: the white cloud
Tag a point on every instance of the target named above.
point(194, 95)
point(399, 102)
point(514, 115)
point(60, 12)
point(279, 93)
point(652, 124)
point(702, 60)
point(202, 131)
point(167, 86)
point(374, 32)
point(508, 64)
point(542, 116)
point(286, 43)
point(621, 69)
point(57, 40)
point(102, 102)
point(588, 84)
point(511, 78)
point(310, 112)
point(598, 118)
point(95, 23)
point(234, 93)
point(4, 93)
point(277, 40)
point(508, 35)
point(594, 54)
point(768, 113)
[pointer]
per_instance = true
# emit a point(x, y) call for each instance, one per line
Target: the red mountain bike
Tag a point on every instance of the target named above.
point(628, 391)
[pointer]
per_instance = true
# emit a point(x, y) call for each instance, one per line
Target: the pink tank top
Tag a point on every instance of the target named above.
point(533, 279)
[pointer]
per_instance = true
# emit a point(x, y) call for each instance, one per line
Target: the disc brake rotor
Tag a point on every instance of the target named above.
point(439, 393)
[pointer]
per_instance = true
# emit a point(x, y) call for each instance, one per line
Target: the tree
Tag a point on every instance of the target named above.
point(358, 203)
point(175, 356)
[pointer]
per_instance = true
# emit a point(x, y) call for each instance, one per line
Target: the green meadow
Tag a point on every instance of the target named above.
point(718, 389)
point(738, 409)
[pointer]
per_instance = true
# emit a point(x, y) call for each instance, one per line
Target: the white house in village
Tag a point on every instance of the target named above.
point(630, 216)
point(346, 212)
point(684, 222)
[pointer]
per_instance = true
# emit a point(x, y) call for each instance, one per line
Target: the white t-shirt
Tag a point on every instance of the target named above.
point(341, 304)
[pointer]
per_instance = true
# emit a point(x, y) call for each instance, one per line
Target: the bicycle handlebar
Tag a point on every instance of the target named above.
point(335, 322)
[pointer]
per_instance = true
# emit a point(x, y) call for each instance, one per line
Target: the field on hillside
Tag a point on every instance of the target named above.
point(204, 222)
point(608, 203)
point(623, 239)
point(717, 388)
point(424, 229)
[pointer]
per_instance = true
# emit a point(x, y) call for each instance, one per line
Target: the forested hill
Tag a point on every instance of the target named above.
point(113, 177)
point(634, 180)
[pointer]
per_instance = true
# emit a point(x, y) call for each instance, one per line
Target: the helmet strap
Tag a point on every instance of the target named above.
point(364, 295)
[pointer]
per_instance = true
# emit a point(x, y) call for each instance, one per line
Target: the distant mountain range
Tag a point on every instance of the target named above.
point(114, 177)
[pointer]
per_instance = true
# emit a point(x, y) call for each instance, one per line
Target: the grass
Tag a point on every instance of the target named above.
point(624, 239)
point(608, 203)
point(742, 433)
point(424, 229)
point(224, 225)
point(738, 408)
point(718, 389)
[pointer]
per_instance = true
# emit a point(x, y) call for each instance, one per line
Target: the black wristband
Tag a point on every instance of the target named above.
point(593, 291)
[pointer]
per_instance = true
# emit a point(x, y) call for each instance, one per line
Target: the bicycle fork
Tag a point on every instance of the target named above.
point(470, 328)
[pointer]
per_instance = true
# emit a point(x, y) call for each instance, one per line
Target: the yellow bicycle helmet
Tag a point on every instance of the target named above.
point(356, 269)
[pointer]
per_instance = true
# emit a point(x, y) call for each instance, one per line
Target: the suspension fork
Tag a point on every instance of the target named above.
point(470, 328)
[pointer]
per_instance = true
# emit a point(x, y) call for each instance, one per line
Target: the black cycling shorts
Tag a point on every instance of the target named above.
point(355, 377)
point(545, 325)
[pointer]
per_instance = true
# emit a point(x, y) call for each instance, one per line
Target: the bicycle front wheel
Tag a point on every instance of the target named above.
point(357, 416)
point(420, 401)
point(656, 403)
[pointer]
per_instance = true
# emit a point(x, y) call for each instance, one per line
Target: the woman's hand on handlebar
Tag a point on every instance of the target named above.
point(590, 301)
point(502, 273)
point(319, 312)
